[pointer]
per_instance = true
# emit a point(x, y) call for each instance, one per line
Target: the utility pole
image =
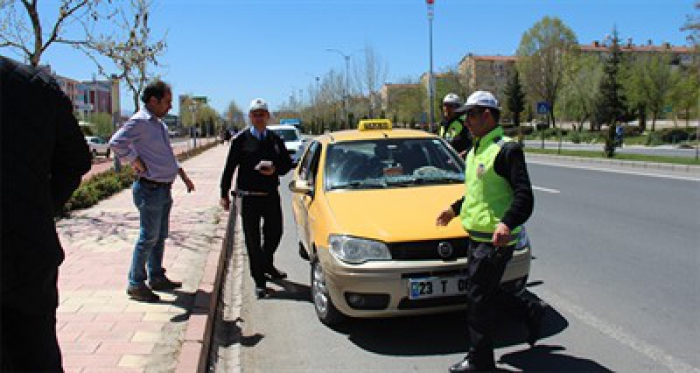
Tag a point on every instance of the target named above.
point(431, 90)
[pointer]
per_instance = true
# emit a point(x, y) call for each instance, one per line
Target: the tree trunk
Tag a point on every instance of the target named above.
point(653, 121)
point(137, 106)
point(642, 118)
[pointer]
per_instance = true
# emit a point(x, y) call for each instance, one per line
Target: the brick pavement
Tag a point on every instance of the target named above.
point(99, 328)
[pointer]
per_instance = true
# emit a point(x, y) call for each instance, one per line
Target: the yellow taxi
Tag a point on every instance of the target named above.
point(365, 203)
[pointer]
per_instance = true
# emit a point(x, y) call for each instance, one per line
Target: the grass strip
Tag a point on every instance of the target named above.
point(626, 157)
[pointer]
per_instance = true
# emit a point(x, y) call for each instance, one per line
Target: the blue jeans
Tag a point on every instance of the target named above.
point(154, 203)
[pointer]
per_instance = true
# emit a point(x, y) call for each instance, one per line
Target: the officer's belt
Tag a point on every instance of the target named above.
point(486, 237)
point(248, 193)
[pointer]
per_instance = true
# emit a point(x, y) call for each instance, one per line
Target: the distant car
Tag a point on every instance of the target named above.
point(365, 203)
point(98, 146)
point(292, 138)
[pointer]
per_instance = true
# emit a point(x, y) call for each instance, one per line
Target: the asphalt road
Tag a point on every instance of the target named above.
point(616, 258)
point(663, 150)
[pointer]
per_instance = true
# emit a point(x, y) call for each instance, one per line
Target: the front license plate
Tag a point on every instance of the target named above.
point(421, 288)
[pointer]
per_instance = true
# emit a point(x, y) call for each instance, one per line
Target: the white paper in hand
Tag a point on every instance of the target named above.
point(263, 164)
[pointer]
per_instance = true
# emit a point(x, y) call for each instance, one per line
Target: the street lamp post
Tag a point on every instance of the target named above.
point(431, 90)
point(193, 134)
point(347, 80)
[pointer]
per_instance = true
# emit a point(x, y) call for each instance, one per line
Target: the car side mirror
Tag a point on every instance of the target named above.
point(300, 186)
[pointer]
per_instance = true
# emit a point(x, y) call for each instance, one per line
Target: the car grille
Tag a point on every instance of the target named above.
point(427, 250)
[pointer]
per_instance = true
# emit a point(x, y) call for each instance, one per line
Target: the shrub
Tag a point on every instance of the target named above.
point(654, 139)
point(633, 130)
point(674, 135)
point(575, 137)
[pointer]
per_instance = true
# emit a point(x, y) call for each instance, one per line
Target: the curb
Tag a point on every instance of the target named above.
point(692, 169)
point(197, 343)
point(198, 332)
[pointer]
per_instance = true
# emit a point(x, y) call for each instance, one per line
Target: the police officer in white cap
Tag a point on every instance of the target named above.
point(497, 202)
point(261, 158)
point(452, 126)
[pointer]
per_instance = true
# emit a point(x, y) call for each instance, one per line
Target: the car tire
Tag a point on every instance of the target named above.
point(107, 153)
point(323, 304)
point(94, 154)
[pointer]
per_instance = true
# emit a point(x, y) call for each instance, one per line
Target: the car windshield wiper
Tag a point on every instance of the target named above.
point(424, 180)
point(360, 184)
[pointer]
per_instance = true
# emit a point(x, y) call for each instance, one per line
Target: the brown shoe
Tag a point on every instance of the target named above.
point(142, 294)
point(164, 284)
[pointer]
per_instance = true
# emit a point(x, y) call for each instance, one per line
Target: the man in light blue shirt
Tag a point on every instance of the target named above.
point(143, 141)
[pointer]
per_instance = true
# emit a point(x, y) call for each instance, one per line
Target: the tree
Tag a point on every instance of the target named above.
point(657, 82)
point(612, 101)
point(405, 103)
point(370, 75)
point(686, 94)
point(542, 58)
point(234, 115)
point(692, 25)
point(515, 97)
point(31, 40)
point(579, 96)
point(132, 52)
point(102, 123)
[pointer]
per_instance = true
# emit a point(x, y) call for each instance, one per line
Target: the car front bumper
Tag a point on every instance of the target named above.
point(381, 288)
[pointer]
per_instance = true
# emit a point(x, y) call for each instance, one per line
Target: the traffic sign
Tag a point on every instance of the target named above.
point(542, 107)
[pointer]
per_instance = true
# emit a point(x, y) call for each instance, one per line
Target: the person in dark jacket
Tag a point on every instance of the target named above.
point(44, 156)
point(498, 201)
point(261, 158)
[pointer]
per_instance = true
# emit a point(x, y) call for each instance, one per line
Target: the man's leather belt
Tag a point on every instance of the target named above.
point(248, 193)
point(153, 182)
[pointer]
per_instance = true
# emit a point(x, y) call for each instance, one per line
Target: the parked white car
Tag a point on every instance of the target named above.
point(292, 138)
point(98, 146)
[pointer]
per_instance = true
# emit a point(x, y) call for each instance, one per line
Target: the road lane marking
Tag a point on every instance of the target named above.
point(616, 171)
point(546, 190)
point(617, 333)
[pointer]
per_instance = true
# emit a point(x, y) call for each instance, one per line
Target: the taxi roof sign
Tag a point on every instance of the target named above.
point(374, 124)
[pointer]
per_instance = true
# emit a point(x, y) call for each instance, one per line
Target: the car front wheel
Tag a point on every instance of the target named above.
point(325, 309)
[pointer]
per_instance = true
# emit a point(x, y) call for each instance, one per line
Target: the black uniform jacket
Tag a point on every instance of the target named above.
point(245, 153)
point(44, 155)
point(463, 141)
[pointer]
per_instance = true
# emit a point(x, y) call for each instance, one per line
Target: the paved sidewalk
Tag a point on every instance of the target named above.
point(99, 328)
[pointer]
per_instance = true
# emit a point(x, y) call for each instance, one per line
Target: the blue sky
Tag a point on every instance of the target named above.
point(242, 49)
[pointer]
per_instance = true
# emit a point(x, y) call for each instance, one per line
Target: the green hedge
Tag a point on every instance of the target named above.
point(110, 182)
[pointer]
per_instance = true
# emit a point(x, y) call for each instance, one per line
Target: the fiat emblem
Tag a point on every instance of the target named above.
point(445, 249)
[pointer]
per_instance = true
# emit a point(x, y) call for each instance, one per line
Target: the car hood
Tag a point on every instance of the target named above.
point(396, 214)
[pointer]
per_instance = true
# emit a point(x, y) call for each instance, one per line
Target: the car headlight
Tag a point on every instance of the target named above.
point(357, 250)
point(522, 240)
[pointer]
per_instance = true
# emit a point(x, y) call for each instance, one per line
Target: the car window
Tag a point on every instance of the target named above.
point(306, 162)
point(388, 163)
point(287, 134)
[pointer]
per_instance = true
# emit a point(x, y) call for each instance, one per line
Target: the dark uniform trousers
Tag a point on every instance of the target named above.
point(29, 340)
point(267, 209)
point(485, 269)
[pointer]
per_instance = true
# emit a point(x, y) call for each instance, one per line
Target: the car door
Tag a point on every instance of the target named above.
point(300, 201)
